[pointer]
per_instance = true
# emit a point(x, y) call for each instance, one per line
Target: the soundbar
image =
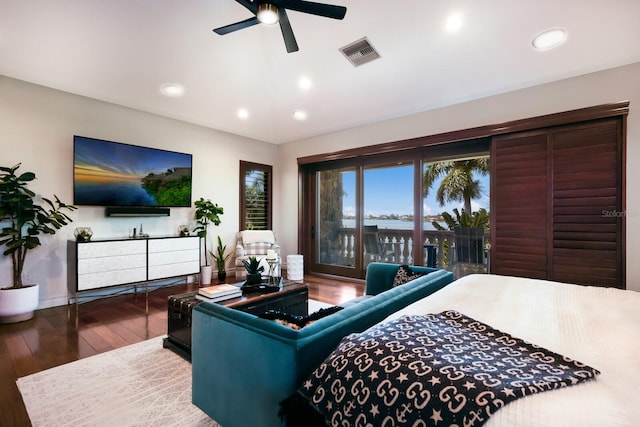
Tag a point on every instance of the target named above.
point(136, 211)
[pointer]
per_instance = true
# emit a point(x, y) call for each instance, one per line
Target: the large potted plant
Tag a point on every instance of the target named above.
point(220, 256)
point(23, 220)
point(207, 212)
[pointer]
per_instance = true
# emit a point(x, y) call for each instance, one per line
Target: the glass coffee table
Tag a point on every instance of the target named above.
point(290, 297)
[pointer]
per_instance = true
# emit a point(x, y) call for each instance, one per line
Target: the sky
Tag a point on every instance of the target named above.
point(396, 185)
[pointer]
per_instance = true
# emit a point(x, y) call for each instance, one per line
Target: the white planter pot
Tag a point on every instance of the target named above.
point(17, 305)
point(205, 274)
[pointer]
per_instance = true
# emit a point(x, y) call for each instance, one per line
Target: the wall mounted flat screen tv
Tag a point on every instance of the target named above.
point(107, 173)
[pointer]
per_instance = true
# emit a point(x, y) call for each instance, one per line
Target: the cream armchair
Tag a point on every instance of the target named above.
point(255, 243)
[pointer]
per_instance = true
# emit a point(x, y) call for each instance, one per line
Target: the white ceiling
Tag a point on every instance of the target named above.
point(121, 51)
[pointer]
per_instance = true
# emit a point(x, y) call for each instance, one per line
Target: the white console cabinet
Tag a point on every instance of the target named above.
point(106, 263)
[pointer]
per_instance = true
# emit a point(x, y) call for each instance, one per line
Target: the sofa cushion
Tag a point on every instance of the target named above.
point(405, 274)
point(257, 236)
point(254, 249)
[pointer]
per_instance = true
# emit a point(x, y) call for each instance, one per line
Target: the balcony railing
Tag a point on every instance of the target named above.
point(400, 244)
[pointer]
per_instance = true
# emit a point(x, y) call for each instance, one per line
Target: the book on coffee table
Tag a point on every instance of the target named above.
point(222, 290)
point(218, 299)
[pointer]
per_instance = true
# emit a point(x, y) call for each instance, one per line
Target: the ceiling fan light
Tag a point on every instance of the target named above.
point(268, 13)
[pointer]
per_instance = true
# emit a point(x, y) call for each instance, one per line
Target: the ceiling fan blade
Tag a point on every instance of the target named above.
point(287, 32)
point(237, 26)
point(252, 6)
point(320, 9)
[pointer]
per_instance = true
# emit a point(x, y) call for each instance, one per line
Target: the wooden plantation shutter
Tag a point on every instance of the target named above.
point(519, 211)
point(587, 202)
point(255, 196)
point(557, 204)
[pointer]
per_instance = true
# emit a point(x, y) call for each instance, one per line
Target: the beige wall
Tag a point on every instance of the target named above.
point(598, 88)
point(37, 126)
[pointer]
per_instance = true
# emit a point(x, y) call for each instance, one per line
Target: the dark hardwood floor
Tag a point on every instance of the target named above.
point(55, 336)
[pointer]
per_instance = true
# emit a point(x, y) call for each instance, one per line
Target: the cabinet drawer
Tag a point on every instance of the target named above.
point(111, 278)
point(174, 244)
point(175, 269)
point(113, 263)
point(112, 248)
point(174, 257)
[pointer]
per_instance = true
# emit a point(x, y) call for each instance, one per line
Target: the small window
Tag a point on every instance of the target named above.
point(255, 196)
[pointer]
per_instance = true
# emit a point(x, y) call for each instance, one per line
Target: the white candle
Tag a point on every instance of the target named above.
point(271, 254)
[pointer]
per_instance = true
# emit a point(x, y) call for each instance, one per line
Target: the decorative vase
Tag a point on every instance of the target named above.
point(83, 234)
point(222, 275)
point(18, 304)
point(295, 267)
point(205, 274)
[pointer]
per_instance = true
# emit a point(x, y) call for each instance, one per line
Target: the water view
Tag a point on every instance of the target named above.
point(390, 224)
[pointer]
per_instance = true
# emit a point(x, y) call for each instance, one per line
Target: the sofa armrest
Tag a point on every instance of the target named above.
point(242, 366)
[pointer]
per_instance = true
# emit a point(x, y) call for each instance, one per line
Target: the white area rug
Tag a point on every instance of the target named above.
point(139, 385)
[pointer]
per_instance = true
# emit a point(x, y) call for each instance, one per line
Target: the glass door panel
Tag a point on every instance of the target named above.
point(456, 201)
point(388, 214)
point(335, 218)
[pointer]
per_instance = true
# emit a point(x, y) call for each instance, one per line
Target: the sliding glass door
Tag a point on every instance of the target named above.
point(362, 215)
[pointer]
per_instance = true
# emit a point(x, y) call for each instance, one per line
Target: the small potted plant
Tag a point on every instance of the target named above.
point(23, 221)
point(220, 257)
point(254, 271)
point(83, 234)
point(207, 212)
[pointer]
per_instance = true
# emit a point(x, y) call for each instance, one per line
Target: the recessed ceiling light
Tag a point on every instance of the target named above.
point(453, 22)
point(304, 83)
point(300, 115)
point(172, 89)
point(549, 39)
point(243, 113)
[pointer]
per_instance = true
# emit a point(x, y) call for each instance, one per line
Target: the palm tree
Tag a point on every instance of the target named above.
point(457, 180)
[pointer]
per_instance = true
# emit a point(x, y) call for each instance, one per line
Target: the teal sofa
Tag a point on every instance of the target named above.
point(243, 365)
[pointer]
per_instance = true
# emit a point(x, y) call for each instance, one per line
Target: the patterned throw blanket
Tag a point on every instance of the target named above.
point(438, 369)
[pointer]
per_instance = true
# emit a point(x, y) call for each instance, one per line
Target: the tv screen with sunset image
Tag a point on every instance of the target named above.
point(107, 173)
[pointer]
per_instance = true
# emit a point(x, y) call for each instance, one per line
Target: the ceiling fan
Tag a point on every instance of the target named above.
point(273, 11)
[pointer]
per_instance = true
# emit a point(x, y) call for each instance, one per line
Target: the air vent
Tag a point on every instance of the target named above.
point(360, 52)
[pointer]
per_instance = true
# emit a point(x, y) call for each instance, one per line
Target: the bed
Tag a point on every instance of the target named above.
point(599, 327)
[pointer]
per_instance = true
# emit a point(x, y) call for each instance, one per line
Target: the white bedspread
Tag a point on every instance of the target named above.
point(596, 326)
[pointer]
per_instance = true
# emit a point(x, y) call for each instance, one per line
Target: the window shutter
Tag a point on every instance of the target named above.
point(255, 197)
point(557, 204)
point(519, 211)
point(587, 204)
